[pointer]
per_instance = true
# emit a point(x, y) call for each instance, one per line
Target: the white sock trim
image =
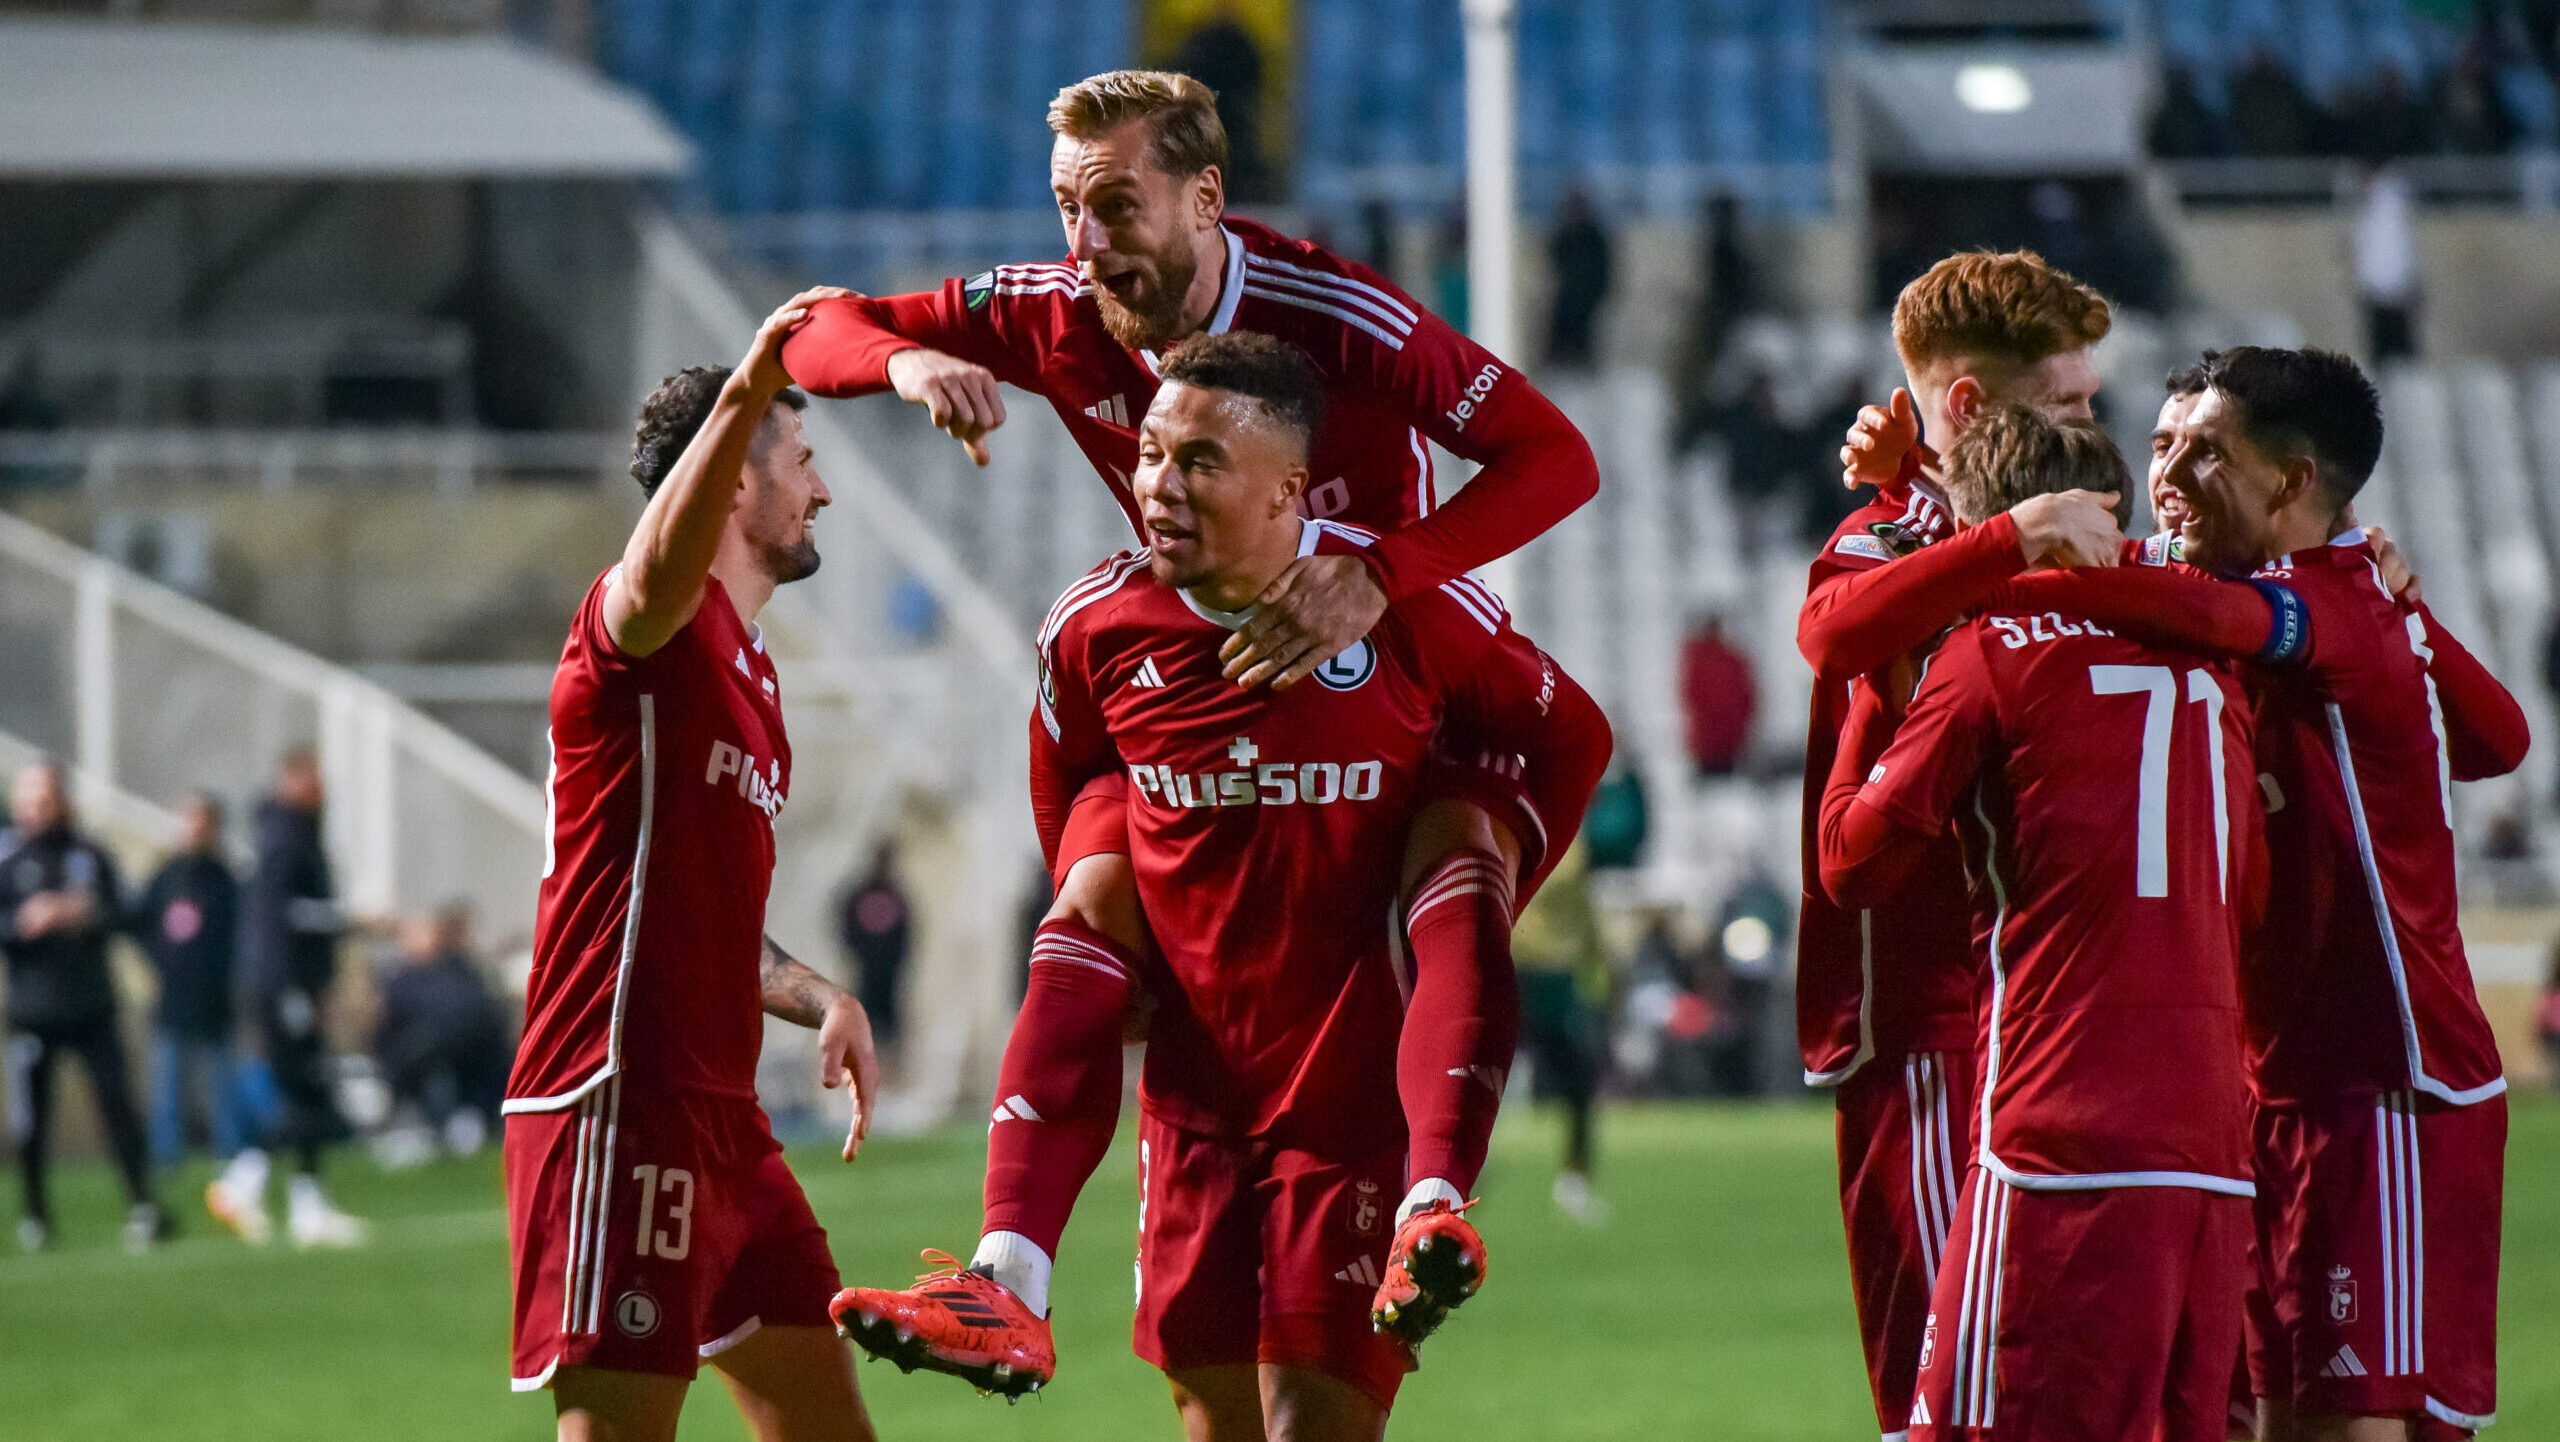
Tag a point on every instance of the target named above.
point(1018, 1265)
point(1424, 1193)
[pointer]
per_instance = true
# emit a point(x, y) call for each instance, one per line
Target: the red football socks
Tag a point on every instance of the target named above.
point(1058, 1091)
point(1463, 1019)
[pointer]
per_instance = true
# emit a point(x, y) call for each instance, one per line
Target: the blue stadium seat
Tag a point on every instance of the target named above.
point(836, 151)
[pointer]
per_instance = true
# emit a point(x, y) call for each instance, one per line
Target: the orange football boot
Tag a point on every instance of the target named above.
point(952, 1320)
point(1435, 1263)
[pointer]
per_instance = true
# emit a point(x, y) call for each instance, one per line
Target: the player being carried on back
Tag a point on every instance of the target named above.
point(1137, 170)
point(1302, 1071)
point(653, 1221)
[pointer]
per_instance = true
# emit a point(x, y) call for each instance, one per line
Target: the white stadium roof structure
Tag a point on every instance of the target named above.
point(137, 101)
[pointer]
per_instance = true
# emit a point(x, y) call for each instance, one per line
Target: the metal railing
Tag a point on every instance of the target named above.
point(104, 462)
point(151, 696)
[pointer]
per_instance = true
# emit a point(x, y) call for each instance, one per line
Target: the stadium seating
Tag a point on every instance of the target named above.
point(821, 105)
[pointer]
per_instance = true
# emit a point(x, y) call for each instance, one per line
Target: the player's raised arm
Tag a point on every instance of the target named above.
point(940, 349)
point(846, 1055)
point(669, 557)
point(1895, 779)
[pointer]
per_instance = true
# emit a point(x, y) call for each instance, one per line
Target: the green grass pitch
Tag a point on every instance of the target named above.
point(1714, 1303)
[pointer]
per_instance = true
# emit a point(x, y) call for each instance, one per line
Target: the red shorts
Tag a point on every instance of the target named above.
point(1250, 1251)
point(1098, 822)
point(1904, 1125)
point(2104, 1315)
point(652, 1235)
point(2378, 1259)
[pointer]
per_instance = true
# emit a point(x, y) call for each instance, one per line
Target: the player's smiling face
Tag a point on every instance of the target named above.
point(2168, 508)
point(2231, 490)
point(1217, 484)
point(779, 498)
point(1135, 230)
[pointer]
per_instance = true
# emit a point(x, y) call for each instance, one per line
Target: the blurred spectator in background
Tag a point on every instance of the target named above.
point(2271, 114)
point(1615, 826)
point(2386, 261)
point(1564, 991)
point(1449, 267)
point(1378, 237)
point(1751, 934)
point(2472, 114)
point(1579, 251)
point(2183, 127)
point(1223, 55)
point(188, 923)
point(2384, 119)
point(289, 958)
point(1719, 698)
point(1725, 294)
point(58, 906)
point(443, 1041)
point(875, 925)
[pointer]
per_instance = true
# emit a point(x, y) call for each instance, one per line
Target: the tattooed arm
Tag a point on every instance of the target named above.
point(800, 996)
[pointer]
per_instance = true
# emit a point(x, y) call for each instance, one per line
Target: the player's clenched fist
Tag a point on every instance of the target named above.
point(1884, 441)
point(2069, 528)
point(765, 374)
point(961, 396)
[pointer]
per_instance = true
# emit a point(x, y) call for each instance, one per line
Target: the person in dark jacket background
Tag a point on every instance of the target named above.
point(876, 924)
point(443, 1042)
point(188, 923)
point(58, 906)
point(290, 925)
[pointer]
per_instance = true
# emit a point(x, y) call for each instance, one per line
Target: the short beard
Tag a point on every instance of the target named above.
point(1154, 327)
point(797, 561)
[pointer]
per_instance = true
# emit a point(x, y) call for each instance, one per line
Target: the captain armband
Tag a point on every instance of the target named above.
point(2289, 639)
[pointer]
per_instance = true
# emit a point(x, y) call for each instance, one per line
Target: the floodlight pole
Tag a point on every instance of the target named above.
point(1493, 194)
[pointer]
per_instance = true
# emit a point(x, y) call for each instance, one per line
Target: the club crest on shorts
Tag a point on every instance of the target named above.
point(1357, 663)
point(1368, 1210)
point(2342, 1295)
point(636, 1313)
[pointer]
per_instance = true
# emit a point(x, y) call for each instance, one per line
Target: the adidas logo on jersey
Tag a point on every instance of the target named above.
point(1148, 677)
point(1113, 412)
point(1361, 1272)
point(2344, 1364)
point(1013, 1108)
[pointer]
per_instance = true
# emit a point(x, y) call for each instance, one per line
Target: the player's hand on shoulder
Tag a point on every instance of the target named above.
point(1881, 442)
point(763, 365)
point(2069, 528)
point(962, 396)
point(1306, 617)
point(2402, 582)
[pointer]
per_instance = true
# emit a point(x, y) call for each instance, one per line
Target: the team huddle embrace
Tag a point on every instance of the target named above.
point(2128, 865)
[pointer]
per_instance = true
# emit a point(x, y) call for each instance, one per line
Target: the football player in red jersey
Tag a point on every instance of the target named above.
point(1884, 999)
point(2381, 1116)
point(2380, 1133)
point(653, 1222)
point(1137, 171)
point(1301, 1074)
point(2092, 1283)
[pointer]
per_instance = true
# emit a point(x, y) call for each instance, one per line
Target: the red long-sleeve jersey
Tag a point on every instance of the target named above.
point(1267, 829)
point(1881, 981)
point(2358, 982)
point(1396, 376)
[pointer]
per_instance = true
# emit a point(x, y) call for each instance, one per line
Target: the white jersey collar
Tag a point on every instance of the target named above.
point(1234, 620)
